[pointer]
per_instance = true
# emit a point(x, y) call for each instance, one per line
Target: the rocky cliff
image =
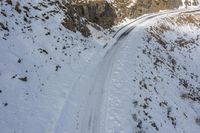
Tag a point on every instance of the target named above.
point(73, 20)
point(149, 6)
point(108, 13)
point(99, 12)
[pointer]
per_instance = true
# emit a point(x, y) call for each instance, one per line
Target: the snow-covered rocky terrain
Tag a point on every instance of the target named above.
point(141, 76)
point(157, 71)
point(40, 63)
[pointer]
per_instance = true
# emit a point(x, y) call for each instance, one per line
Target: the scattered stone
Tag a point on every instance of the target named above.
point(17, 7)
point(5, 104)
point(43, 51)
point(155, 126)
point(13, 77)
point(58, 67)
point(9, 2)
point(139, 125)
point(198, 121)
point(19, 61)
point(24, 79)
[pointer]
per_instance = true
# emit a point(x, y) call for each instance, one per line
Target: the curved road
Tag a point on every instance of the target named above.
point(87, 116)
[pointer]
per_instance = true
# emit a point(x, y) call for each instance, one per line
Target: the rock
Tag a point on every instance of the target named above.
point(99, 12)
point(149, 6)
point(9, 2)
point(68, 23)
point(5, 104)
point(198, 121)
point(24, 79)
point(73, 20)
point(17, 7)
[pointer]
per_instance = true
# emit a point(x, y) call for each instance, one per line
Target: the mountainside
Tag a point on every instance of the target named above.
point(157, 71)
point(110, 12)
point(61, 72)
point(40, 61)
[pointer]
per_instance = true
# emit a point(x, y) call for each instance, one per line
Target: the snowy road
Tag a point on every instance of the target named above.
point(85, 109)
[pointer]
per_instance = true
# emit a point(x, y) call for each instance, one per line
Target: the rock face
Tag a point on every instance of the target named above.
point(73, 20)
point(99, 12)
point(107, 14)
point(123, 9)
point(149, 6)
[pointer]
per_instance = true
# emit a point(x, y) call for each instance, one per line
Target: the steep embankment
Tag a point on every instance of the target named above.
point(154, 81)
point(40, 62)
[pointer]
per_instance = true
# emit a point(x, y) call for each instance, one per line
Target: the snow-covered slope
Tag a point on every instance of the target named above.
point(154, 81)
point(40, 61)
point(55, 81)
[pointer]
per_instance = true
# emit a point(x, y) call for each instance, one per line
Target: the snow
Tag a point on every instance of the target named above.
point(37, 103)
point(128, 83)
point(131, 67)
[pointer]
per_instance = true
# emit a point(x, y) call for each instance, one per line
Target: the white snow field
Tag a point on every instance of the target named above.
point(145, 79)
